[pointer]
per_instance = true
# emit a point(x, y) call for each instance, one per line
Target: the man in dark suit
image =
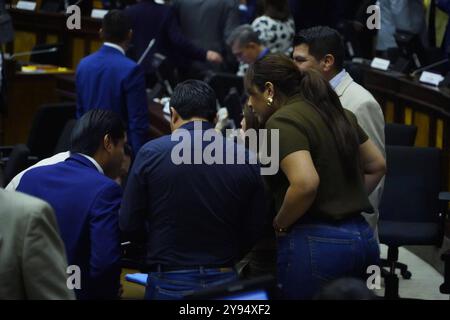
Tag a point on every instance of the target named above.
point(150, 20)
point(108, 79)
point(307, 13)
point(208, 24)
point(86, 200)
point(200, 218)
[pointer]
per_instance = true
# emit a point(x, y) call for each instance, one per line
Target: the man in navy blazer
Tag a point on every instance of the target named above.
point(86, 201)
point(107, 79)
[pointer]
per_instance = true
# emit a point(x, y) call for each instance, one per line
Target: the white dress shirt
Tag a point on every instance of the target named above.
point(115, 46)
point(95, 163)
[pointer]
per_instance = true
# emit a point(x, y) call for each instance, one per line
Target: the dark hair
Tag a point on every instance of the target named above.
point(289, 80)
point(322, 41)
point(277, 9)
point(243, 35)
point(194, 98)
point(116, 26)
point(89, 131)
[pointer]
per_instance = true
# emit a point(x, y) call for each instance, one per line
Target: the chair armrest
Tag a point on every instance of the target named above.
point(445, 287)
point(5, 151)
point(444, 196)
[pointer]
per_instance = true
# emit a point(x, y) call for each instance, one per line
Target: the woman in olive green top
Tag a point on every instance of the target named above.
point(327, 169)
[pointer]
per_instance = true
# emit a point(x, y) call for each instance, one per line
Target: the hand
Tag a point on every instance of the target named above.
point(279, 232)
point(214, 57)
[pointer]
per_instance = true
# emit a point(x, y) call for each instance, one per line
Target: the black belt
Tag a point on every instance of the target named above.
point(164, 268)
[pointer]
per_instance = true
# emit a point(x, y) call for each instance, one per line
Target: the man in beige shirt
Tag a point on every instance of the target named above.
point(32, 256)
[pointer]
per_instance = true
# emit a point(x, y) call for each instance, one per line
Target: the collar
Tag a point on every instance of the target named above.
point(263, 54)
point(343, 86)
point(115, 46)
point(95, 163)
point(336, 81)
point(197, 125)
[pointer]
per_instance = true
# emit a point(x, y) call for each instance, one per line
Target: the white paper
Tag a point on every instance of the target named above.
point(431, 78)
point(98, 13)
point(26, 5)
point(381, 64)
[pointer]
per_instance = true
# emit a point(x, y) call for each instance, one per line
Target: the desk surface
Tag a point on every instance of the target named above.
point(406, 90)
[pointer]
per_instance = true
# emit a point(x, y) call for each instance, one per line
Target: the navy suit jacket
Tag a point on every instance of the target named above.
point(86, 205)
point(109, 80)
point(200, 214)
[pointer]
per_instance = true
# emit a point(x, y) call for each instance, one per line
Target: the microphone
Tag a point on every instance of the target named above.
point(28, 53)
point(431, 66)
point(150, 45)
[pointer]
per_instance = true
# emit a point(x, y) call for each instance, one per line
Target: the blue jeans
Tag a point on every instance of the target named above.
point(315, 252)
point(175, 285)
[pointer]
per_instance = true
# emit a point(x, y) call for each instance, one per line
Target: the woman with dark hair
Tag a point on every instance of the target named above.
point(327, 169)
point(276, 27)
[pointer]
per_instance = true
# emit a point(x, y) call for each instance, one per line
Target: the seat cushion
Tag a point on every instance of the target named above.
point(408, 233)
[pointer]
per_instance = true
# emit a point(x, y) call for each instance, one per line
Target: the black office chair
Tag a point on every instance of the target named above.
point(400, 134)
point(63, 143)
point(234, 106)
point(355, 70)
point(445, 287)
point(48, 124)
point(222, 83)
point(411, 212)
point(47, 53)
point(18, 160)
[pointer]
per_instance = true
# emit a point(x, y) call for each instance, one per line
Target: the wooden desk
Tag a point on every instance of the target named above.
point(408, 101)
point(26, 92)
point(47, 27)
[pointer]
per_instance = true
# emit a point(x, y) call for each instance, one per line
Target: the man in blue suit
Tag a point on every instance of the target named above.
point(86, 201)
point(107, 79)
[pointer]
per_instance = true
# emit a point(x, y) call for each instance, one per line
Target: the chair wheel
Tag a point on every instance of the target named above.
point(406, 275)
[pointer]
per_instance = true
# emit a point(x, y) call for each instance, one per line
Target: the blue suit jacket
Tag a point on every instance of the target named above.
point(86, 205)
point(107, 79)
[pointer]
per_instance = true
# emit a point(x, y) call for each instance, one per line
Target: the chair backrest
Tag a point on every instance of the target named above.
point(400, 134)
point(63, 143)
point(412, 185)
point(52, 57)
point(223, 82)
point(234, 106)
point(17, 162)
point(48, 124)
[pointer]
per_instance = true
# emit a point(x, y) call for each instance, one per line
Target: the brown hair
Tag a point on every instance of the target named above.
point(288, 81)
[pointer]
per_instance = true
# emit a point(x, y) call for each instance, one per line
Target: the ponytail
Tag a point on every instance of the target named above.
point(289, 80)
point(325, 101)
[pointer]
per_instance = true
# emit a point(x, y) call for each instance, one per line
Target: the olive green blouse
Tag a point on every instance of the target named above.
point(302, 128)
